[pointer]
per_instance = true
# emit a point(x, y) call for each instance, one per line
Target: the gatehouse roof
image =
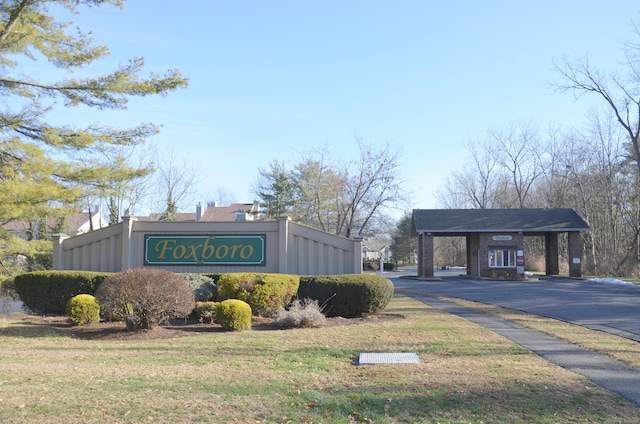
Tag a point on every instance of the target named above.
point(464, 221)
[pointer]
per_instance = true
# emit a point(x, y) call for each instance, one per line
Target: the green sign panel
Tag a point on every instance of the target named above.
point(243, 249)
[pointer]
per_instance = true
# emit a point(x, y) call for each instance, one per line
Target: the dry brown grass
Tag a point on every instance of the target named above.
point(617, 347)
point(467, 374)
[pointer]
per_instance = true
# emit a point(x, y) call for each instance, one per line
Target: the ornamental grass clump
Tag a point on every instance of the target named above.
point(234, 315)
point(145, 297)
point(83, 309)
point(301, 314)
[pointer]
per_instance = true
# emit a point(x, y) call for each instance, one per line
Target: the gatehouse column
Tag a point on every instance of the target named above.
point(551, 254)
point(425, 255)
point(575, 254)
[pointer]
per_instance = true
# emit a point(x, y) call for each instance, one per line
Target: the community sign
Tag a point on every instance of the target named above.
point(241, 249)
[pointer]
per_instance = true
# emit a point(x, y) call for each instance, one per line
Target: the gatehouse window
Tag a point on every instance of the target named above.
point(503, 257)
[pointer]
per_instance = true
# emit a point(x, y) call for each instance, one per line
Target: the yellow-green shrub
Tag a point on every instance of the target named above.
point(83, 309)
point(265, 293)
point(233, 314)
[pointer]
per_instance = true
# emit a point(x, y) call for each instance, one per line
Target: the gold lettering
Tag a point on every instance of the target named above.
point(207, 250)
point(163, 247)
point(248, 253)
point(194, 252)
point(234, 249)
point(179, 251)
point(219, 253)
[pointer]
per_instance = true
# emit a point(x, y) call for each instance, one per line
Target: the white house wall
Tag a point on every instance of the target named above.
point(289, 248)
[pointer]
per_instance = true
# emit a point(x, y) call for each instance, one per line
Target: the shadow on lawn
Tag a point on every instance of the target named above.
point(27, 325)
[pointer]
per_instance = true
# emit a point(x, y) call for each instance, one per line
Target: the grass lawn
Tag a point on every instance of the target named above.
point(467, 375)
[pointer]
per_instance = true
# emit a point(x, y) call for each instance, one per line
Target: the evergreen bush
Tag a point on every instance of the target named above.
point(349, 295)
point(203, 286)
point(265, 293)
point(234, 315)
point(83, 309)
point(50, 291)
point(145, 297)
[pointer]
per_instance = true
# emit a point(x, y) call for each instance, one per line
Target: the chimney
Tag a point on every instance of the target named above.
point(198, 211)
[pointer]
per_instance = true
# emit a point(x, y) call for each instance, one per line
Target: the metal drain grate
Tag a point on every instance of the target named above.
point(388, 358)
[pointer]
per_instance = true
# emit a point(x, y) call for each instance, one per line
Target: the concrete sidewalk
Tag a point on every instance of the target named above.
point(600, 369)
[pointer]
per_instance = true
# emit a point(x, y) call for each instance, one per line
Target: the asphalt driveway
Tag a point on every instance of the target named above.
point(614, 308)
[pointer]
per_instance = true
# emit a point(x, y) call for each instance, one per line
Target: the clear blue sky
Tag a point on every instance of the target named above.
point(271, 79)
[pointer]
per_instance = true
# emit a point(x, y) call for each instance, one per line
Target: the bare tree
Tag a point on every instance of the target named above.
point(221, 196)
point(346, 198)
point(501, 169)
point(372, 184)
point(620, 91)
point(320, 186)
point(477, 182)
point(519, 152)
point(126, 195)
point(175, 184)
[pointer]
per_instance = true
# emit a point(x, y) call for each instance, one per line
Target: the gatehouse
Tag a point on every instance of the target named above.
point(495, 238)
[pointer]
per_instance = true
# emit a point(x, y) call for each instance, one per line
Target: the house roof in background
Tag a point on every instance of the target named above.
point(72, 224)
point(226, 213)
point(464, 221)
point(210, 214)
point(157, 215)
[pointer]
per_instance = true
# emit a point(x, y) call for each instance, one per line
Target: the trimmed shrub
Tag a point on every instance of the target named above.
point(265, 293)
point(83, 309)
point(205, 311)
point(347, 295)
point(145, 297)
point(50, 291)
point(233, 315)
point(301, 313)
point(203, 286)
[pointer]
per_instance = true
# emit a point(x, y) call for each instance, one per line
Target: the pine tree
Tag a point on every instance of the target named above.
point(43, 165)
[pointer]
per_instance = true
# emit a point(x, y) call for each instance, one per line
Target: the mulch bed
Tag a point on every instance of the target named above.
point(173, 329)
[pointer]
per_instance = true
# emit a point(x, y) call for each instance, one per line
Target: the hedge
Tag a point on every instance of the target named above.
point(49, 291)
point(348, 296)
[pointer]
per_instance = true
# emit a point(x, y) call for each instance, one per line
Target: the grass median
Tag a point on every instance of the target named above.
point(466, 374)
